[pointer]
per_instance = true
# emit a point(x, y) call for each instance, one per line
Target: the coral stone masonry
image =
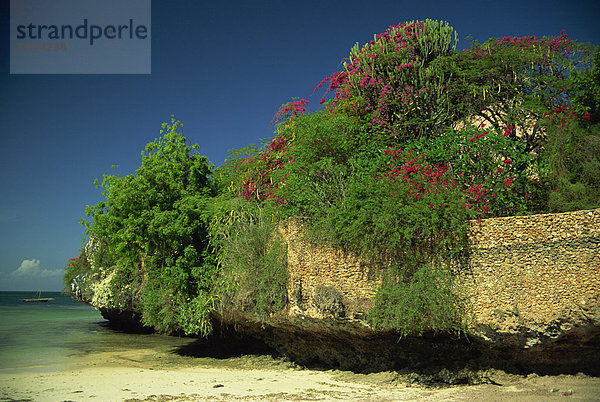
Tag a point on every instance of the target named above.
point(535, 275)
point(535, 270)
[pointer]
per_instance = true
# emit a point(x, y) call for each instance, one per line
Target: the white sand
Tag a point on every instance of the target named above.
point(145, 375)
point(118, 383)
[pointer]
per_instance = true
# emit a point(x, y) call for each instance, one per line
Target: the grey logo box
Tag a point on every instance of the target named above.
point(80, 37)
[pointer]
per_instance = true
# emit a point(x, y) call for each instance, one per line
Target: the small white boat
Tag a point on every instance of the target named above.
point(39, 298)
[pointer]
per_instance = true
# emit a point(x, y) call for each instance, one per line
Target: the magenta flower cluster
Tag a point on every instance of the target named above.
point(293, 108)
point(260, 184)
point(367, 78)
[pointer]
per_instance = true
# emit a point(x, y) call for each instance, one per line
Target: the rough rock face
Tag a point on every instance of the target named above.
point(434, 357)
point(95, 291)
point(533, 282)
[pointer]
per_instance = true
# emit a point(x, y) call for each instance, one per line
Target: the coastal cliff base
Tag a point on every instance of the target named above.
point(428, 359)
point(533, 283)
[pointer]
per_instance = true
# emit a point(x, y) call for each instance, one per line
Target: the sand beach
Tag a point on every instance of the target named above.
point(65, 351)
point(151, 375)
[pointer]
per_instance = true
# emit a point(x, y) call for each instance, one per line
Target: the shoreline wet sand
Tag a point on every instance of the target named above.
point(65, 351)
point(162, 374)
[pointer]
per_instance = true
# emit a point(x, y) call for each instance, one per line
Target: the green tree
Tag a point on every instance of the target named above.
point(512, 82)
point(155, 224)
point(586, 89)
point(572, 151)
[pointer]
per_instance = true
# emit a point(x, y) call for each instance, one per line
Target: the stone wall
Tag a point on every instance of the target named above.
point(533, 274)
point(313, 268)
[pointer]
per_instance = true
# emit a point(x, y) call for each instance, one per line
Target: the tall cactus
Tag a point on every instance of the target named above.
point(398, 80)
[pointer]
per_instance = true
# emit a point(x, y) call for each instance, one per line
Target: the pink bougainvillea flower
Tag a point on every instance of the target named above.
point(291, 109)
point(478, 136)
point(508, 161)
point(586, 116)
point(508, 182)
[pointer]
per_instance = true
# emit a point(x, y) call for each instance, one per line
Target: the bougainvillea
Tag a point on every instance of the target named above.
point(422, 176)
point(426, 178)
point(258, 170)
point(259, 184)
point(290, 109)
point(395, 80)
point(511, 82)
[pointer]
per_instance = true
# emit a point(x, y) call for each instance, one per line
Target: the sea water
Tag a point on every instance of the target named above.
point(42, 334)
point(48, 336)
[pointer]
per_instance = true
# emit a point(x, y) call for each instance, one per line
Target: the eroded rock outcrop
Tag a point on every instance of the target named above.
point(533, 283)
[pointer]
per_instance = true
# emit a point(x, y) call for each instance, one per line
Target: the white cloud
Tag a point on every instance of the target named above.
point(32, 268)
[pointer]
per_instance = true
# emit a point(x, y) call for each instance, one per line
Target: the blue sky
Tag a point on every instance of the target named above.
point(223, 69)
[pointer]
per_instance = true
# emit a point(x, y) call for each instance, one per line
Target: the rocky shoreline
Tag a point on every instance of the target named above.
point(534, 289)
point(430, 359)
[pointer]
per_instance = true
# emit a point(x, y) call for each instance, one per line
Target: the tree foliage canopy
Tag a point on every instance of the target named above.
point(155, 224)
point(415, 139)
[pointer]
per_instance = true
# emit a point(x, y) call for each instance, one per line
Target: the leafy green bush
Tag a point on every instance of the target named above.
point(398, 217)
point(585, 85)
point(321, 150)
point(573, 153)
point(155, 226)
point(253, 258)
point(413, 303)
